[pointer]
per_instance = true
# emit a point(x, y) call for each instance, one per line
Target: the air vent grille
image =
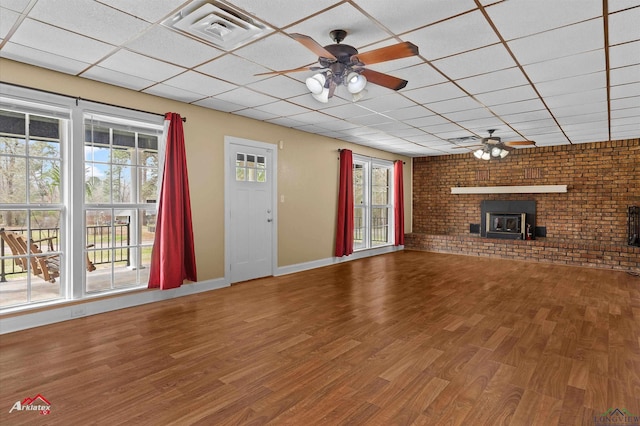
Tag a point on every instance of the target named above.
point(217, 23)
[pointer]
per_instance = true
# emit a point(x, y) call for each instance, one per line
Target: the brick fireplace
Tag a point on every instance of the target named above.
point(586, 226)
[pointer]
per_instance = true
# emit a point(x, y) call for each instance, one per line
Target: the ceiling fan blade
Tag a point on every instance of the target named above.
point(519, 143)
point(312, 45)
point(389, 53)
point(291, 70)
point(384, 80)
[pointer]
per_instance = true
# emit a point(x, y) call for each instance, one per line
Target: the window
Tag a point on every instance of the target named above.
point(77, 219)
point(121, 183)
point(373, 202)
point(251, 168)
point(31, 208)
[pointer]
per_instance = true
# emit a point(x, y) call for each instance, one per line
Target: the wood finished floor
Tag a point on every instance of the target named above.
point(404, 338)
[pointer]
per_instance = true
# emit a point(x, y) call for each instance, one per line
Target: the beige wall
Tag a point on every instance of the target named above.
point(307, 168)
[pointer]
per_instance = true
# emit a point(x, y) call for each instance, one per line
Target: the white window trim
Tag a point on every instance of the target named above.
point(32, 101)
point(370, 163)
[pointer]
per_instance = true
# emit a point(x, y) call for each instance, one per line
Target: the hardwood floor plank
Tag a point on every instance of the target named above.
point(403, 338)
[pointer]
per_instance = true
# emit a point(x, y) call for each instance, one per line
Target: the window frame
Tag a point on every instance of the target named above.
point(72, 226)
point(368, 164)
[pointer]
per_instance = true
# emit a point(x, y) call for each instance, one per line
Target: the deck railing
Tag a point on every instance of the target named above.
point(98, 238)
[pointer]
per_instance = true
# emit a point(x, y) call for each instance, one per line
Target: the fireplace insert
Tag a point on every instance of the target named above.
point(508, 219)
point(506, 225)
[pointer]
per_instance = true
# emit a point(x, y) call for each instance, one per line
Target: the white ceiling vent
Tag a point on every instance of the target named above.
point(216, 23)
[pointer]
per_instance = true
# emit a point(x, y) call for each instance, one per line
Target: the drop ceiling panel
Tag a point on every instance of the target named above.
point(368, 120)
point(627, 112)
point(256, 114)
point(246, 97)
point(476, 62)
point(46, 38)
point(91, 19)
point(141, 66)
point(462, 117)
point(579, 98)
point(518, 107)
point(625, 75)
point(498, 80)
point(117, 78)
point(513, 94)
point(282, 109)
point(268, 52)
point(570, 66)
point(233, 69)
point(166, 45)
point(140, 9)
point(402, 17)
point(7, 19)
point(166, 91)
point(199, 83)
point(279, 12)
point(624, 54)
point(558, 43)
point(623, 26)
point(452, 36)
point(419, 76)
point(43, 59)
point(219, 104)
point(596, 80)
point(279, 86)
point(519, 18)
point(15, 5)
point(408, 113)
point(309, 102)
point(453, 105)
point(385, 103)
point(625, 91)
point(431, 94)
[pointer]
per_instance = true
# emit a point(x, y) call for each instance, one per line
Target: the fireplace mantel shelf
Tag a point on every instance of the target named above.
point(529, 189)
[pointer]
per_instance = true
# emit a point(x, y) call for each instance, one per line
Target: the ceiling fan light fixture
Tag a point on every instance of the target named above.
point(315, 83)
point(504, 153)
point(478, 153)
point(355, 97)
point(495, 151)
point(323, 96)
point(486, 155)
point(355, 82)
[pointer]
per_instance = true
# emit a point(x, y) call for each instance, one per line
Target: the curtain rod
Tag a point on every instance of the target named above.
point(78, 98)
point(368, 156)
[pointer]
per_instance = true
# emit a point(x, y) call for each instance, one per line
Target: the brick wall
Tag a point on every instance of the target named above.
point(603, 179)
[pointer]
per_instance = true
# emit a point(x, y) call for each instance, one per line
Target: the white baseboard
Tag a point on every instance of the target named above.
point(93, 307)
point(299, 267)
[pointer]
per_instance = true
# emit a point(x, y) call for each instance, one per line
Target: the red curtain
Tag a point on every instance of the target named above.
point(344, 234)
point(173, 258)
point(398, 208)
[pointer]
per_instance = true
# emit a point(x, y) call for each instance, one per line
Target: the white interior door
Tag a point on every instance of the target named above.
point(250, 187)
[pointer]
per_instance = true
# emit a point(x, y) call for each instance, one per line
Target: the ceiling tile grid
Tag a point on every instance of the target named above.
point(531, 69)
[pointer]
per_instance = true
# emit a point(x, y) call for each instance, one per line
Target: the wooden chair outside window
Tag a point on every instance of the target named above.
point(42, 264)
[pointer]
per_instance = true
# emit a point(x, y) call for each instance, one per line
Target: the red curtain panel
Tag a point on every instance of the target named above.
point(173, 258)
point(398, 208)
point(344, 234)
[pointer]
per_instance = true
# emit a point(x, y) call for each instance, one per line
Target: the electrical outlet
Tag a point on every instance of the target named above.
point(78, 311)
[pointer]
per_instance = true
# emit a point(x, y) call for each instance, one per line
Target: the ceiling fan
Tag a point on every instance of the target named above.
point(493, 147)
point(341, 64)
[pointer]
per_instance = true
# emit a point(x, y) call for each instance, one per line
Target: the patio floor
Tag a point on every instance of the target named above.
point(14, 292)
